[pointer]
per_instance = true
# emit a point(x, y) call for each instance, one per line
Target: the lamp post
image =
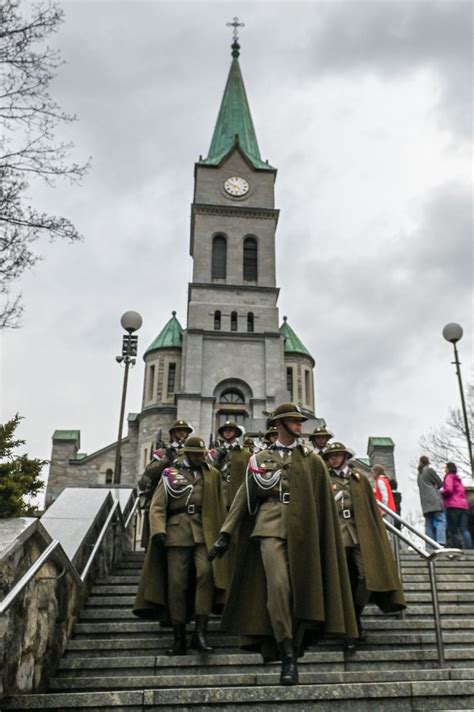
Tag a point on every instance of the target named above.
point(453, 333)
point(131, 321)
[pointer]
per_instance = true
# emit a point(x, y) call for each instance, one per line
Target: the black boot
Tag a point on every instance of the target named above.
point(289, 669)
point(198, 640)
point(358, 611)
point(179, 643)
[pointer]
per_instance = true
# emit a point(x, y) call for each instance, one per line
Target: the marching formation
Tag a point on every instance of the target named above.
point(288, 543)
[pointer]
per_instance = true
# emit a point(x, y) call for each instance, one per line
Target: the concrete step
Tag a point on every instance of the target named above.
point(453, 691)
point(377, 623)
point(126, 600)
point(332, 660)
point(74, 683)
point(125, 613)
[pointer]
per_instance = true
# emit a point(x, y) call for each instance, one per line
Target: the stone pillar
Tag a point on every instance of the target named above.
point(381, 452)
point(66, 444)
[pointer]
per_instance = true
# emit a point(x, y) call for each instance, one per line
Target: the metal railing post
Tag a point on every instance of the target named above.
point(436, 612)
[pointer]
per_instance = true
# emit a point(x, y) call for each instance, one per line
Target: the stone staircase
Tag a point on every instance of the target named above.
point(117, 662)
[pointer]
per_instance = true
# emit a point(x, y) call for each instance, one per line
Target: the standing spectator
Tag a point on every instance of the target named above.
point(457, 508)
point(382, 489)
point(397, 498)
point(429, 484)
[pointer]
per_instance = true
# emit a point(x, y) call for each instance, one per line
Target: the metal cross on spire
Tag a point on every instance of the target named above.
point(235, 24)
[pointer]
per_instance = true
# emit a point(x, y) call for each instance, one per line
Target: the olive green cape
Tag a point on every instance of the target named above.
point(151, 599)
point(381, 576)
point(321, 593)
point(237, 471)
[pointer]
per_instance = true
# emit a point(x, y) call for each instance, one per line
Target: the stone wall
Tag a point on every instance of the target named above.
point(35, 629)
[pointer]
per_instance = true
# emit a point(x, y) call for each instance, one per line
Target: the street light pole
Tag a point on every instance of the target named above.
point(453, 333)
point(131, 321)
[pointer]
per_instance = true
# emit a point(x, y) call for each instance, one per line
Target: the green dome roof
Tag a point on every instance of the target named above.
point(169, 337)
point(234, 124)
point(292, 343)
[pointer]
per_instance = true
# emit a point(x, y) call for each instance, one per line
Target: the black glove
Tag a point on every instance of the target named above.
point(159, 540)
point(170, 454)
point(219, 547)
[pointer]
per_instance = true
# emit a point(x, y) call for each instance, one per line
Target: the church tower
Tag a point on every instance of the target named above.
point(233, 361)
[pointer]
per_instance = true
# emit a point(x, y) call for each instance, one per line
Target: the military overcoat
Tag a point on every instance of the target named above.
point(151, 599)
point(381, 574)
point(321, 593)
point(234, 463)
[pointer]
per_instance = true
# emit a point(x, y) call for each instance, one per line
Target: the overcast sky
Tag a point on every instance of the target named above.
point(366, 110)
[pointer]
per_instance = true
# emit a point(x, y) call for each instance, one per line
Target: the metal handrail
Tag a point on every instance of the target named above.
point(53, 547)
point(132, 512)
point(430, 557)
point(98, 542)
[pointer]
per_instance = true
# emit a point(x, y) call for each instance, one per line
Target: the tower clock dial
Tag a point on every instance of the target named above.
point(236, 186)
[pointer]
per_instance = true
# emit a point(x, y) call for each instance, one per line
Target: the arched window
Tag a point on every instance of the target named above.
point(233, 321)
point(217, 320)
point(232, 395)
point(250, 324)
point(219, 257)
point(250, 259)
point(109, 476)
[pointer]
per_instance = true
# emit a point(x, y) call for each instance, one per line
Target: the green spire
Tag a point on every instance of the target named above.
point(292, 342)
point(169, 337)
point(234, 124)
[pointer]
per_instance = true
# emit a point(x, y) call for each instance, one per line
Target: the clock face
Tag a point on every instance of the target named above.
point(236, 186)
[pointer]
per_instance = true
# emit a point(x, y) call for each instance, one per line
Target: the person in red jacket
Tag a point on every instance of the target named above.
point(382, 489)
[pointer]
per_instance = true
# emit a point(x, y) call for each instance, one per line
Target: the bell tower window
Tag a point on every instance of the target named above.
point(219, 257)
point(250, 259)
point(217, 320)
point(250, 322)
point(233, 321)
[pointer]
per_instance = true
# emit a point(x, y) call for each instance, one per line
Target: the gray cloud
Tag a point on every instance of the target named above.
point(393, 38)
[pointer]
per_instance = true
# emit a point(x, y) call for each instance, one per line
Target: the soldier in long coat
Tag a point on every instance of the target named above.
point(319, 438)
point(162, 458)
point(290, 570)
point(231, 460)
point(372, 568)
point(178, 582)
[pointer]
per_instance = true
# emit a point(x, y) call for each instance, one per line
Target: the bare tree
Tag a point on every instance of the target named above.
point(448, 443)
point(29, 150)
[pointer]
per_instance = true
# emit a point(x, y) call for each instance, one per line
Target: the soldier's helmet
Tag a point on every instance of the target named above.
point(337, 449)
point(271, 431)
point(194, 443)
point(231, 424)
point(286, 410)
point(182, 425)
point(321, 432)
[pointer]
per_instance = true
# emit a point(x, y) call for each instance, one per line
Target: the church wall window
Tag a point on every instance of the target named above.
point(217, 320)
point(250, 322)
point(232, 395)
point(171, 377)
point(151, 383)
point(233, 321)
point(250, 259)
point(307, 387)
point(289, 381)
point(219, 257)
point(109, 476)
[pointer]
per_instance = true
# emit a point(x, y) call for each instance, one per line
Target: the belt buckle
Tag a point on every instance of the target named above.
point(285, 497)
point(191, 508)
point(346, 513)
point(227, 479)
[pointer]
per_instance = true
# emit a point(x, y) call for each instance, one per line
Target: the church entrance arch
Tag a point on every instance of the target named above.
point(232, 399)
